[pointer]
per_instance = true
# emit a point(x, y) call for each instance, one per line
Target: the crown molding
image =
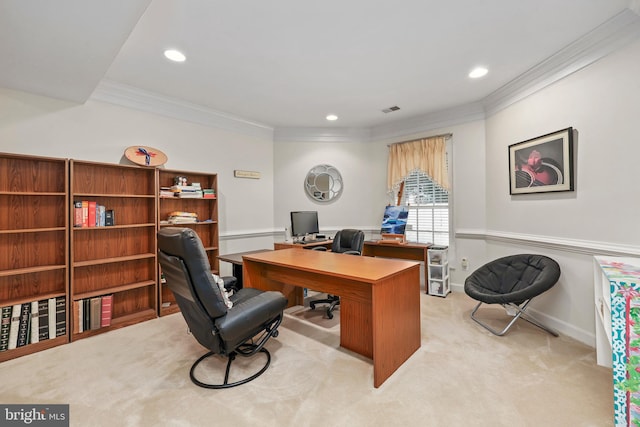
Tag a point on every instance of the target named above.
point(428, 122)
point(608, 37)
point(138, 99)
point(319, 134)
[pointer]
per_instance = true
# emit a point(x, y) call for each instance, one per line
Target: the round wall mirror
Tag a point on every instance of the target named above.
point(323, 183)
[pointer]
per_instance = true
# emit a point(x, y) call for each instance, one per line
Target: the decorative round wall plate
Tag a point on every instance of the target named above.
point(145, 156)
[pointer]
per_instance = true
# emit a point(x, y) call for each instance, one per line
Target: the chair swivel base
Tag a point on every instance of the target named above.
point(332, 300)
point(226, 383)
point(521, 313)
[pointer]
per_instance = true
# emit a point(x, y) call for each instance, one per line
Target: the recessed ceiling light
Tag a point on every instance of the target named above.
point(174, 55)
point(478, 72)
point(332, 117)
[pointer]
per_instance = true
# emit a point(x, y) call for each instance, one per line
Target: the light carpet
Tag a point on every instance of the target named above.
point(462, 375)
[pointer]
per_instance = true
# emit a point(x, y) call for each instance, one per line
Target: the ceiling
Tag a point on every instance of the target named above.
point(289, 63)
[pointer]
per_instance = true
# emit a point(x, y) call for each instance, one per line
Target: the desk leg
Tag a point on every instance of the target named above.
point(356, 328)
point(396, 322)
point(237, 273)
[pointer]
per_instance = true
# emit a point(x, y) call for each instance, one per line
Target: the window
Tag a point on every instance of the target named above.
point(428, 205)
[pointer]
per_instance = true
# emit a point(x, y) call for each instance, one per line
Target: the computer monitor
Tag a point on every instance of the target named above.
point(304, 222)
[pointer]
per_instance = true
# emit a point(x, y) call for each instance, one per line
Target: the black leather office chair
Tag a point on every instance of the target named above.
point(512, 281)
point(347, 241)
point(241, 330)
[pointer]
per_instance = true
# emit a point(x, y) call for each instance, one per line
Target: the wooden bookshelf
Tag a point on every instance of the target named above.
point(119, 259)
point(33, 241)
point(206, 227)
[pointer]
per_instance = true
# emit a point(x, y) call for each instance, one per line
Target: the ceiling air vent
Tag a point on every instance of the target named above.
point(391, 109)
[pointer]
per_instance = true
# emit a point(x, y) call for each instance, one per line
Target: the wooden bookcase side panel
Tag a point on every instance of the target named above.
point(103, 178)
point(105, 277)
point(109, 242)
point(28, 212)
point(26, 174)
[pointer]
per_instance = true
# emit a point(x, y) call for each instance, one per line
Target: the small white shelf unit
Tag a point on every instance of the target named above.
point(438, 271)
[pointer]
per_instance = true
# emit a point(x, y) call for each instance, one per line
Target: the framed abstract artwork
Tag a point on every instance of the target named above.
point(542, 164)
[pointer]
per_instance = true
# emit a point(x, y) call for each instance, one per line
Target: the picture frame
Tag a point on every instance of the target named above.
point(542, 164)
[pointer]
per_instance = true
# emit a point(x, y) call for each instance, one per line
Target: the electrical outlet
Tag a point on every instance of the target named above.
point(464, 263)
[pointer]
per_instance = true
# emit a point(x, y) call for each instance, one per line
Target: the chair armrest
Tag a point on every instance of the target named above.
point(249, 314)
point(318, 248)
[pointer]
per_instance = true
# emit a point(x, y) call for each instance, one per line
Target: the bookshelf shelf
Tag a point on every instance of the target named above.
point(33, 251)
point(120, 259)
point(206, 210)
point(115, 289)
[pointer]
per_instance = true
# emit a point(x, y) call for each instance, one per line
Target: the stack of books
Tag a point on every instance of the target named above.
point(179, 217)
point(166, 192)
point(208, 193)
point(193, 191)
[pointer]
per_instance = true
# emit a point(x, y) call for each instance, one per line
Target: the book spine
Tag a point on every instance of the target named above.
point(77, 214)
point(92, 214)
point(96, 308)
point(4, 328)
point(86, 318)
point(61, 316)
point(35, 322)
point(109, 218)
point(52, 317)
point(23, 328)
point(85, 213)
point(105, 318)
point(75, 306)
point(81, 315)
point(43, 309)
point(101, 216)
point(15, 323)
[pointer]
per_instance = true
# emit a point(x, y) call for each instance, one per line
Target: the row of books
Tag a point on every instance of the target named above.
point(32, 322)
point(87, 213)
point(92, 313)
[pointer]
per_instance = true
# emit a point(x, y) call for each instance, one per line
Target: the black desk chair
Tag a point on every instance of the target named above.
point(347, 241)
point(242, 329)
point(512, 281)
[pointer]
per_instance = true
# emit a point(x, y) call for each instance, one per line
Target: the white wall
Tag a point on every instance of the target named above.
point(99, 131)
point(601, 103)
point(363, 168)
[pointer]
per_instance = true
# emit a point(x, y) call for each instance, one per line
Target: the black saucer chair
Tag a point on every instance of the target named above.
point(512, 281)
point(348, 241)
point(242, 329)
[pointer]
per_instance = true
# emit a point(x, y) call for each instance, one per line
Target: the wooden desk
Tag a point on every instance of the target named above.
point(379, 310)
point(236, 263)
point(412, 251)
point(290, 245)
